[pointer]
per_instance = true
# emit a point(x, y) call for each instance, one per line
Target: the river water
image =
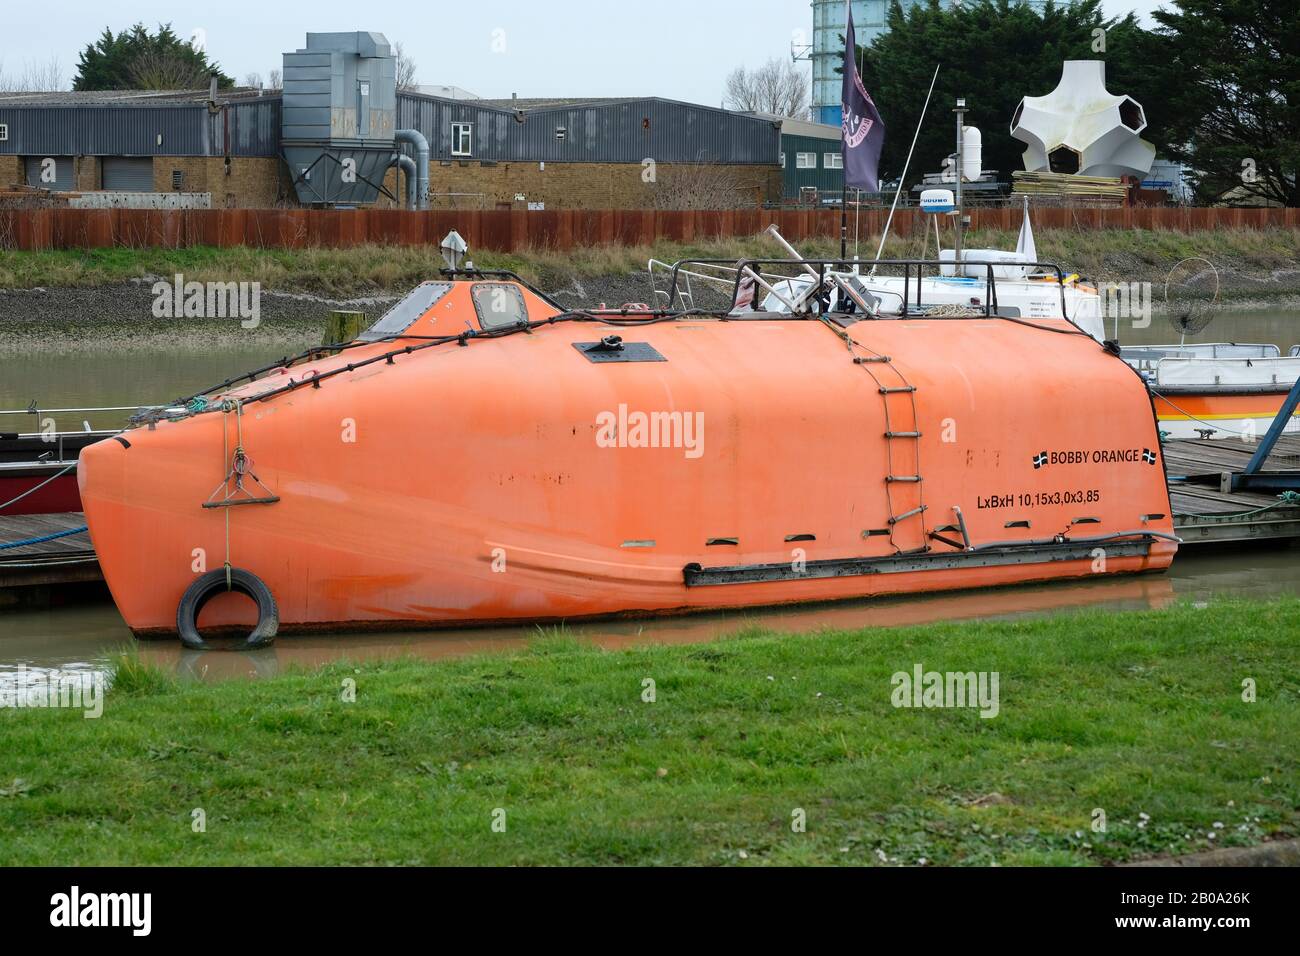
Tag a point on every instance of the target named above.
point(82, 636)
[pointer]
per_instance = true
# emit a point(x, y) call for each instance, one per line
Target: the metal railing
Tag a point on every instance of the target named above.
point(821, 269)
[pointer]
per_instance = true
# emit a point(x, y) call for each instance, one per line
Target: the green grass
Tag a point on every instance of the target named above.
point(1111, 254)
point(1136, 713)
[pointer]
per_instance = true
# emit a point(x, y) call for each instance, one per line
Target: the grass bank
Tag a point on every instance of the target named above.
point(1139, 715)
point(1258, 262)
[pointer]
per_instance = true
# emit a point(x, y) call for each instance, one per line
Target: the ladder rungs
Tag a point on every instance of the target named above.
point(907, 514)
point(871, 358)
point(900, 388)
point(902, 478)
point(902, 434)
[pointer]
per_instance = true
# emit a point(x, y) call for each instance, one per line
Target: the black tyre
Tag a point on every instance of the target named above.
point(205, 588)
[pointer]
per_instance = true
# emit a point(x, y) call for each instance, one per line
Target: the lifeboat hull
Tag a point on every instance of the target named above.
point(517, 479)
point(1226, 413)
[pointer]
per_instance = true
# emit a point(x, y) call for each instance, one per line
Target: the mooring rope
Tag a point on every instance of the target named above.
point(48, 537)
point(1224, 428)
point(30, 491)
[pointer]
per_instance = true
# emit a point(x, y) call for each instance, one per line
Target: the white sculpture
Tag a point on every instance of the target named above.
point(1079, 127)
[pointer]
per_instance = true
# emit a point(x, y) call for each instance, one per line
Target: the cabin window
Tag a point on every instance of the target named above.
point(403, 315)
point(805, 160)
point(833, 160)
point(499, 305)
point(462, 139)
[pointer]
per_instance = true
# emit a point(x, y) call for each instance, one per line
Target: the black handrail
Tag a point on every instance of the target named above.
point(506, 274)
point(821, 265)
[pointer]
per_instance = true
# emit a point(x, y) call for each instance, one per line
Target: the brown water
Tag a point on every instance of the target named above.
point(84, 636)
point(1280, 327)
point(115, 377)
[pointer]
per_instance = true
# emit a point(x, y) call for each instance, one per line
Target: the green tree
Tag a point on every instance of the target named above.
point(1240, 62)
point(136, 59)
point(994, 53)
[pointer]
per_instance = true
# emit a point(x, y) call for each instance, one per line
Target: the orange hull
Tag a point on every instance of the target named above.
point(1185, 412)
point(514, 479)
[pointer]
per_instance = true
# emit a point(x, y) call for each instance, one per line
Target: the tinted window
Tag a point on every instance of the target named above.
point(403, 315)
point(499, 305)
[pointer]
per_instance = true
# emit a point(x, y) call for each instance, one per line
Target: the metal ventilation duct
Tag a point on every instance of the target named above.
point(338, 117)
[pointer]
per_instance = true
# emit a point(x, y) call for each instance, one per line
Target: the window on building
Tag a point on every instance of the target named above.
point(462, 139)
point(833, 160)
point(805, 160)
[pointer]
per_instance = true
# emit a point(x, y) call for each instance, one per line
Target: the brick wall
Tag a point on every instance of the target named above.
point(475, 185)
point(587, 185)
point(248, 182)
point(11, 171)
point(86, 173)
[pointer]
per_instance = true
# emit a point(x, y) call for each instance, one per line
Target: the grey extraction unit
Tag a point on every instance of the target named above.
point(338, 117)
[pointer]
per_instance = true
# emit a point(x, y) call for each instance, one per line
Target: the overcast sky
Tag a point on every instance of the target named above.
point(679, 49)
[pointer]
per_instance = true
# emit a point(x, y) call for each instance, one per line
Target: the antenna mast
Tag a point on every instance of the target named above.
point(961, 217)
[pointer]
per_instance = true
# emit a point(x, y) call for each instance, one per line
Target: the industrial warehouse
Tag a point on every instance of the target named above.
point(341, 134)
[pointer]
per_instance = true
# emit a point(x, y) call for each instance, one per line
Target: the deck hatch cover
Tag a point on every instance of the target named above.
point(612, 348)
point(405, 313)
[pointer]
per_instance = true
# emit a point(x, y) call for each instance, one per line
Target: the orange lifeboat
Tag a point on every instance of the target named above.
point(482, 455)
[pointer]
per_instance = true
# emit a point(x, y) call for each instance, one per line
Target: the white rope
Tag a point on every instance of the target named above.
point(903, 178)
point(31, 491)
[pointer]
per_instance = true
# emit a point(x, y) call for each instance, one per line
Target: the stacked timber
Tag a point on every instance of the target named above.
point(22, 196)
point(1069, 189)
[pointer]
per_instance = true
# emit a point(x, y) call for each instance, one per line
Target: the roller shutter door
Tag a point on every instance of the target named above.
point(132, 174)
point(62, 172)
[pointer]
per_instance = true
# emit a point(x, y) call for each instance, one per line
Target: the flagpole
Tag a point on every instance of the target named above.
point(901, 179)
point(844, 173)
point(844, 222)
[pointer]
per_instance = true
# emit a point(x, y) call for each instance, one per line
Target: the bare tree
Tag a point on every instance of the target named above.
point(276, 81)
point(406, 68)
point(35, 78)
point(775, 87)
point(165, 71)
point(253, 81)
point(699, 186)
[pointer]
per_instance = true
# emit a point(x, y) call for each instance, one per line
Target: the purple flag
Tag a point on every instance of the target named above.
point(863, 129)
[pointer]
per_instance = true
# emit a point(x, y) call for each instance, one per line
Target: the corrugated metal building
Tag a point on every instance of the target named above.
point(812, 165)
point(135, 141)
point(620, 130)
point(591, 152)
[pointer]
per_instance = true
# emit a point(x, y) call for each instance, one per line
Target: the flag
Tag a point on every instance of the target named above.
point(863, 130)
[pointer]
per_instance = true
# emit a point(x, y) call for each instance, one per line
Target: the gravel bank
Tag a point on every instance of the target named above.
point(120, 315)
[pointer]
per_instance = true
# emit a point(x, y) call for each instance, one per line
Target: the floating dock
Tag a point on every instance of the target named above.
point(55, 556)
point(1207, 508)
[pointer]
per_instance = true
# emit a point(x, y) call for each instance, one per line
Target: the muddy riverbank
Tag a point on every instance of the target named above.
point(120, 316)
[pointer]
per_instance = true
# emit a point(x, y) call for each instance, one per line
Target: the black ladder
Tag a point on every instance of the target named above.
point(903, 481)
